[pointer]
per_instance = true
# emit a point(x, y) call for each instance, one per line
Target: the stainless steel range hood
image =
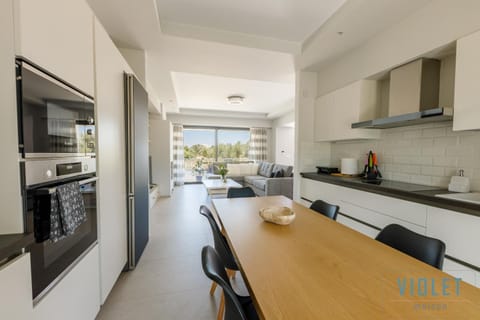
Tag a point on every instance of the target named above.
point(409, 119)
point(413, 97)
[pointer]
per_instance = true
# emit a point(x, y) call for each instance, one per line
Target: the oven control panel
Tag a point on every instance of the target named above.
point(47, 170)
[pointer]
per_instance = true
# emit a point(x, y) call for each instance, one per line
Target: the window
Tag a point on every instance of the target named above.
point(204, 146)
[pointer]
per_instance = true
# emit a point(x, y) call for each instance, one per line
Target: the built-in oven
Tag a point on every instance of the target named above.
point(54, 118)
point(56, 125)
point(53, 258)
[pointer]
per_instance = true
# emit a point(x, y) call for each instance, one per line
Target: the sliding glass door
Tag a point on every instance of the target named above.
point(204, 146)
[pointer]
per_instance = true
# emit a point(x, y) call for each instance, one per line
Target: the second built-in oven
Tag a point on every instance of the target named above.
point(54, 119)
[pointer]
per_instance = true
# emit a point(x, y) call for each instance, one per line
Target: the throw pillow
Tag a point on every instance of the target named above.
point(279, 174)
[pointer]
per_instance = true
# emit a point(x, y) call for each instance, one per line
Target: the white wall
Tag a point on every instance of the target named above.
point(137, 61)
point(160, 150)
point(11, 218)
point(308, 153)
point(438, 23)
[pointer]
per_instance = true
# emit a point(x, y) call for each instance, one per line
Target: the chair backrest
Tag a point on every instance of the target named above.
point(221, 245)
point(325, 208)
point(245, 192)
point(215, 270)
point(426, 249)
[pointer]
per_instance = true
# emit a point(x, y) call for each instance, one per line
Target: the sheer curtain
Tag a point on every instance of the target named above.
point(257, 149)
point(178, 163)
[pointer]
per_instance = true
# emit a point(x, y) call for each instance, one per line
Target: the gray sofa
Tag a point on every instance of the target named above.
point(270, 179)
point(268, 182)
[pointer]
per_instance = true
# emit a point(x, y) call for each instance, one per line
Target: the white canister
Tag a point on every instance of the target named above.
point(349, 166)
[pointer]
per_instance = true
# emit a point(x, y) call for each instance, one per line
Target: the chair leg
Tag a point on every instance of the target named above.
point(231, 273)
point(213, 287)
point(221, 307)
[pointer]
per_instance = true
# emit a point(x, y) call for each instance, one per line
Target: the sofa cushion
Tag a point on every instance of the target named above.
point(260, 184)
point(266, 170)
point(279, 174)
point(287, 170)
point(242, 169)
point(251, 179)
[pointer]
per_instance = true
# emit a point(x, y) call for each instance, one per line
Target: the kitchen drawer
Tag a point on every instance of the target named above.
point(315, 190)
point(357, 226)
point(460, 271)
point(460, 232)
point(305, 203)
point(399, 209)
point(375, 218)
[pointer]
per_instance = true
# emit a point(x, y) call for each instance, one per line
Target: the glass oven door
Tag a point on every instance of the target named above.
point(50, 260)
point(55, 119)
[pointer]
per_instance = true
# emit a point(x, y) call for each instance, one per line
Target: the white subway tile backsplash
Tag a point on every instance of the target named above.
point(434, 132)
point(419, 179)
point(433, 171)
point(445, 141)
point(426, 154)
point(433, 151)
point(445, 161)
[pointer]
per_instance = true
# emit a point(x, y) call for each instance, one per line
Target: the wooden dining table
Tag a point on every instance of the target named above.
point(317, 268)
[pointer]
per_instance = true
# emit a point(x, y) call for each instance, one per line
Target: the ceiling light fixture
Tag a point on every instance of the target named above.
point(235, 99)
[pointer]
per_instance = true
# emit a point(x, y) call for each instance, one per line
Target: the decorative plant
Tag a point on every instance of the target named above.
point(197, 168)
point(222, 170)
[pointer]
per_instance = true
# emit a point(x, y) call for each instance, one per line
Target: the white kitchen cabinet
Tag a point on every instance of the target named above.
point(11, 219)
point(76, 296)
point(57, 35)
point(467, 73)
point(372, 208)
point(16, 289)
point(460, 271)
point(336, 111)
point(460, 232)
point(379, 219)
point(111, 164)
point(316, 190)
point(357, 226)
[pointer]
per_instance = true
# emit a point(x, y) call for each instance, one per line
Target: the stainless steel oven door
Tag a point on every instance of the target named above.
point(51, 260)
point(55, 119)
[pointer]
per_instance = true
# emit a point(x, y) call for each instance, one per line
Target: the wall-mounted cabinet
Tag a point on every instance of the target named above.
point(467, 74)
point(336, 111)
point(58, 36)
point(11, 220)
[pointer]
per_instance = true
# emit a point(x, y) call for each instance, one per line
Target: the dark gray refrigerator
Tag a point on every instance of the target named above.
point(136, 107)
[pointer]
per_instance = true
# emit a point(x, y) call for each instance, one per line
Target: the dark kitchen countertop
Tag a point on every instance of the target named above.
point(12, 244)
point(400, 190)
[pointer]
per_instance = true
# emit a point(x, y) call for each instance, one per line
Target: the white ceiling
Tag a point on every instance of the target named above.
point(291, 20)
point(247, 40)
point(359, 20)
point(197, 91)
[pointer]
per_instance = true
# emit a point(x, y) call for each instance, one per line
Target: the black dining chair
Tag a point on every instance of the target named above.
point(325, 208)
point(223, 249)
point(236, 307)
point(423, 248)
point(245, 192)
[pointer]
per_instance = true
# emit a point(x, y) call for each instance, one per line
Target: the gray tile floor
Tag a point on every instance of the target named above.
point(169, 282)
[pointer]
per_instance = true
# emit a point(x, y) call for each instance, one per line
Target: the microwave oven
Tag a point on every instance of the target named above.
point(54, 119)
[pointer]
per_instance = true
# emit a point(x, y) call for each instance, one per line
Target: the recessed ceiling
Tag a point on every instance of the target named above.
point(206, 92)
point(292, 20)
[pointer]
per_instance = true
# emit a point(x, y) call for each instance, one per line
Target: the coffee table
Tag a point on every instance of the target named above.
point(218, 187)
